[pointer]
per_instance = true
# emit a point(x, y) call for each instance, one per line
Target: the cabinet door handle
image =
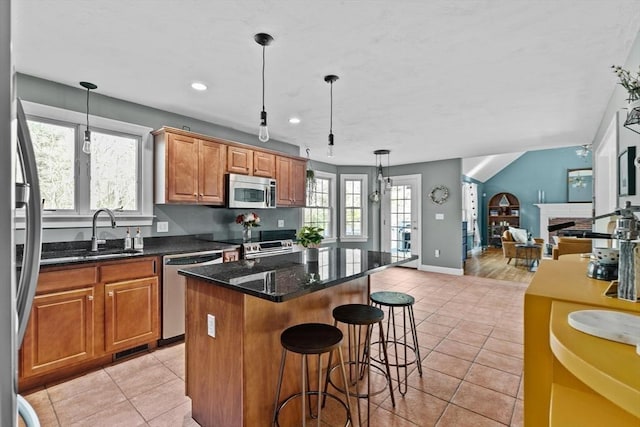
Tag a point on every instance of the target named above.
point(110, 293)
point(90, 297)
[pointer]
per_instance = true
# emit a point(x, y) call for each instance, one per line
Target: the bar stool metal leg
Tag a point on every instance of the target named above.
point(359, 320)
point(405, 302)
point(306, 339)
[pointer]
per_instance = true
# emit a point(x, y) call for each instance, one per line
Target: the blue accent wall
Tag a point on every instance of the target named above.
point(544, 170)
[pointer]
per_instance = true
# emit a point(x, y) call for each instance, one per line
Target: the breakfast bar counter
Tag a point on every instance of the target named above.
point(236, 313)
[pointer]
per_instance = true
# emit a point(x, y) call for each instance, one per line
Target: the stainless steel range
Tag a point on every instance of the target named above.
point(254, 250)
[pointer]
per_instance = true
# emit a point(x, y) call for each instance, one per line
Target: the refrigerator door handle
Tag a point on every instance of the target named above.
point(26, 412)
point(33, 232)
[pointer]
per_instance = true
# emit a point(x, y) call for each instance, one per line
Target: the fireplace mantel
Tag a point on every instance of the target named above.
point(568, 210)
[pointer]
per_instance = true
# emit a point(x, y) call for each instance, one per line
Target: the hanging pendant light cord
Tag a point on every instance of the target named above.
point(331, 111)
point(263, 56)
point(87, 109)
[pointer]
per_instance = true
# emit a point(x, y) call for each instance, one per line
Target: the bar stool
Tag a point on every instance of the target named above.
point(394, 300)
point(306, 339)
point(355, 316)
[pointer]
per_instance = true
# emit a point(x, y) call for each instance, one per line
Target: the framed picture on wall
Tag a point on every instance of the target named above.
point(627, 172)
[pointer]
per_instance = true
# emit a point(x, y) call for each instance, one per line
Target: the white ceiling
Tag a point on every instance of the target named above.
point(429, 80)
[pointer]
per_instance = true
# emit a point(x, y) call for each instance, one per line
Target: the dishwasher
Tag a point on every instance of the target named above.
point(173, 290)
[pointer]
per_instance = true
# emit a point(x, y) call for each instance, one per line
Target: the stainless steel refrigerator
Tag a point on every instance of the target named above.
point(17, 288)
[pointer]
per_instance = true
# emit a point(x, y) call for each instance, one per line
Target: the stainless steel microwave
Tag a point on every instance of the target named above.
point(250, 192)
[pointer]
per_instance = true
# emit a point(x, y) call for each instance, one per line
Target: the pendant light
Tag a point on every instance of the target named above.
point(388, 183)
point(384, 182)
point(330, 79)
point(263, 40)
point(86, 146)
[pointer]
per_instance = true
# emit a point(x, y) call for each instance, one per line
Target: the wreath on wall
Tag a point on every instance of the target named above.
point(439, 194)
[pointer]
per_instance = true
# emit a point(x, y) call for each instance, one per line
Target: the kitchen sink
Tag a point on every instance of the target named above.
point(74, 255)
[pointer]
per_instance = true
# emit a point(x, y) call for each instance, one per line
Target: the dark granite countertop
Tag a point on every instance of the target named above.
point(283, 277)
point(63, 253)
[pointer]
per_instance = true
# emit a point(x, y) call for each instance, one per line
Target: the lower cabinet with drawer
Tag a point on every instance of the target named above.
point(83, 315)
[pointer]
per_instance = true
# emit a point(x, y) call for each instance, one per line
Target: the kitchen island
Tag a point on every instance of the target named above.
point(572, 378)
point(231, 377)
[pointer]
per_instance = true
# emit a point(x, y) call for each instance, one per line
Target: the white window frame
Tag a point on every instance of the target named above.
point(363, 178)
point(80, 219)
point(332, 237)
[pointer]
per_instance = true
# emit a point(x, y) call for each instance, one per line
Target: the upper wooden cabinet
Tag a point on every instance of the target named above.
point(239, 160)
point(189, 170)
point(290, 176)
point(264, 164)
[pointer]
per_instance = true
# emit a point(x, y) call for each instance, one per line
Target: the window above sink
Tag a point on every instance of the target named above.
point(117, 174)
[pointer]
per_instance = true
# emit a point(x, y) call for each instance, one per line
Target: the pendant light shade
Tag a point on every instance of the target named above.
point(330, 79)
point(381, 182)
point(86, 146)
point(263, 40)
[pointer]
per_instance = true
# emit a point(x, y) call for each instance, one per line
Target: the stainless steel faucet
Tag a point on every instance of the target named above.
point(94, 239)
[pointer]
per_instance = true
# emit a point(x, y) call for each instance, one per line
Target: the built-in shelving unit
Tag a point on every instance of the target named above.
point(503, 211)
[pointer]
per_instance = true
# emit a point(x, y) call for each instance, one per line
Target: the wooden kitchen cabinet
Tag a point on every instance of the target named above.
point(131, 303)
point(131, 314)
point(84, 314)
point(290, 177)
point(60, 331)
point(189, 169)
point(239, 160)
point(264, 164)
point(62, 324)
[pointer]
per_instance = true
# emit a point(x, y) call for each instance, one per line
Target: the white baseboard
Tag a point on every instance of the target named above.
point(443, 270)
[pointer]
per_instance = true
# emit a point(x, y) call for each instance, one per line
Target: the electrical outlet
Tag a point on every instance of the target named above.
point(211, 325)
point(439, 216)
point(162, 226)
point(281, 223)
point(437, 253)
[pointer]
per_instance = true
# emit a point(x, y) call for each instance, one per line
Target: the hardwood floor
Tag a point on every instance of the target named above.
point(492, 264)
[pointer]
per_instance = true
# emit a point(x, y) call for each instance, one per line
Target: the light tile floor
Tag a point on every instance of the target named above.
point(470, 332)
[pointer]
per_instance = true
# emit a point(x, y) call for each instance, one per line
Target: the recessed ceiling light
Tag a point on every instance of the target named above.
point(199, 86)
point(294, 120)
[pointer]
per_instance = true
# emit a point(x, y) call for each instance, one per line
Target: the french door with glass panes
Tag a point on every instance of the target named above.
point(400, 218)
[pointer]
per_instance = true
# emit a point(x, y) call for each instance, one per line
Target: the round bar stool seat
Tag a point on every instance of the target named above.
point(357, 316)
point(399, 300)
point(310, 339)
point(392, 299)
